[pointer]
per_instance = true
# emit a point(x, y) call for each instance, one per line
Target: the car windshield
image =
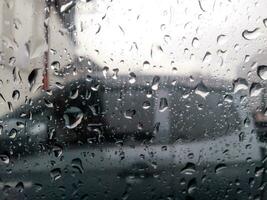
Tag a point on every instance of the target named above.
point(129, 100)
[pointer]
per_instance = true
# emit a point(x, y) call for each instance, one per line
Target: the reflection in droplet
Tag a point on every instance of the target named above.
point(262, 72)
point(155, 83)
point(189, 169)
point(20, 187)
point(132, 78)
point(65, 7)
point(251, 35)
point(4, 159)
point(32, 77)
point(12, 134)
point(55, 66)
point(16, 95)
point(192, 186)
point(240, 84)
point(146, 105)
point(74, 94)
point(255, 89)
point(265, 22)
point(73, 117)
point(105, 71)
point(202, 90)
point(207, 57)
point(195, 42)
point(77, 164)
point(163, 104)
point(146, 65)
point(128, 114)
point(221, 39)
point(55, 174)
point(219, 167)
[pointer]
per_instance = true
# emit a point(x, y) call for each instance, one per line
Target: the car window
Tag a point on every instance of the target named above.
point(125, 99)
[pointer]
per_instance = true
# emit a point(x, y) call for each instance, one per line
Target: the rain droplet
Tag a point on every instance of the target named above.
point(259, 171)
point(4, 159)
point(192, 186)
point(32, 77)
point(55, 66)
point(128, 114)
point(55, 174)
point(77, 164)
point(74, 94)
point(262, 72)
point(105, 71)
point(255, 89)
point(146, 105)
point(12, 134)
point(57, 151)
point(189, 169)
point(95, 87)
point(202, 90)
point(65, 7)
point(265, 22)
point(195, 42)
point(222, 39)
point(251, 35)
point(20, 187)
point(163, 104)
point(219, 167)
point(155, 83)
point(240, 84)
point(146, 65)
point(132, 78)
point(207, 58)
point(16, 95)
point(73, 117)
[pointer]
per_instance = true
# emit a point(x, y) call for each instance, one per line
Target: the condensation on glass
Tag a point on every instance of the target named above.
point(133, 99)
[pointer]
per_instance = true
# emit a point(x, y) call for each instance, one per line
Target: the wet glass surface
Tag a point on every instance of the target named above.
point(129, 100)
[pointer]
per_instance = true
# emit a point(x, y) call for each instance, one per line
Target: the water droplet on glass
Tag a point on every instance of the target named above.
point(74, 94)
point(222, 39)
point(32, 77)
point(155, 83)
point(12, 134)
point(132, 78)
point(251, 35)
point(55, 174)
point(163, 104)
point(202, 90)
point(55, 66)
point(146, 105)
point(207, 58)
point(146, 65)
point(57, 151)
point(19, 187)
point(65, 7)
point(128, 114)
point(73, 117)
point(219, 167)
point(265, 22)
point(195, 42)
point(189, 169)
point(16, 95)
point(4, 159)
point(192, 186)
point(77, 164)
point(262, 72)
point(255, 89)
point(240, 84)
point(105, 71)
